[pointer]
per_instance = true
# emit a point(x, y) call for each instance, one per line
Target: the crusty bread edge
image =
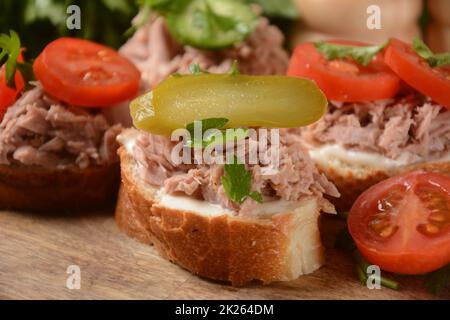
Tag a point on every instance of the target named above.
point(34, 188)
point(352, 180)
point(222, 247)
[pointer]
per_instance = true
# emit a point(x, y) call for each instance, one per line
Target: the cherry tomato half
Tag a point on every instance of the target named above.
point(415, 71)
point(85, 73)
point(402, 224)
point(344, 80)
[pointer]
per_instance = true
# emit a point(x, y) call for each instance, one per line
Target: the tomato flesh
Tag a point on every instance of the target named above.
point(415, 71)
point(403, 224)
point(83, 73)
point(344, 80)
point(9, 95)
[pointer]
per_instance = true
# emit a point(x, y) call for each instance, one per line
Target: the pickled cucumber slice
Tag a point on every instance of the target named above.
point(246, 101)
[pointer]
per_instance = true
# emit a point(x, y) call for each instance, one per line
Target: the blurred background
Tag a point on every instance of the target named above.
point(107, 21)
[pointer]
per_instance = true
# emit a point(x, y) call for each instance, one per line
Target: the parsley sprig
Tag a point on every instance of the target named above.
point(438, 280)
point(10, 47)
point(344, 241)
point(237, 182)
point(361, 54)
point(434, 60)
point(210, 139)
point(201, 23)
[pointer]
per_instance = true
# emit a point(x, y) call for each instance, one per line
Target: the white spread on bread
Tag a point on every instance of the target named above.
point(183, 202)
point(385, 133)
point(328, 154)
point(37, 130)
point(128, 139)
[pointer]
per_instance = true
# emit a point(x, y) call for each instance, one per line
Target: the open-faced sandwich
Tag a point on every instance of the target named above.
point(215, 176)
point(172, 35)
point(57, 150)
point(388, 111)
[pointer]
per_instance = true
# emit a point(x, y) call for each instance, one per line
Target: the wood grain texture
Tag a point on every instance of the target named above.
point(36, 249)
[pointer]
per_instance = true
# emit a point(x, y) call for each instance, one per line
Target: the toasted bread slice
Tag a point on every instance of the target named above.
point(40, 189)
point(275, 247)
point(352, 179)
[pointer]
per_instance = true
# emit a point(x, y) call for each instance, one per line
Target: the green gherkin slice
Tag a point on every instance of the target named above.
point(246, 101)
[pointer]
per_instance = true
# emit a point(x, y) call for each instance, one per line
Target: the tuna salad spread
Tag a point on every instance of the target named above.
point(410, 128)
point(38, 130)
point(296, 177)
point(157, 54)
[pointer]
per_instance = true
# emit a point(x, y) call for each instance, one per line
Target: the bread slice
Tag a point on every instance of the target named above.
point(352, 178)
point(40, 189)
point(225, 247)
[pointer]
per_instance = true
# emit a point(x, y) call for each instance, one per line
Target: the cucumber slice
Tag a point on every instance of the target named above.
point(211, 24)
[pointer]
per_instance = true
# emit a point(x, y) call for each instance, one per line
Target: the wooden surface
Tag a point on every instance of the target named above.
point(36, 249)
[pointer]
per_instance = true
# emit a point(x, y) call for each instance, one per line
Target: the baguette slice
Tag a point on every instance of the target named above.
point(224, 247)
point(352, 179)
point(40, 189)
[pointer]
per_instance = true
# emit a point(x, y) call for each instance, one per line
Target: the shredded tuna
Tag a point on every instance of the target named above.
point(39, 131)
point(158, 55)
point(410, 128)
point(296, 177)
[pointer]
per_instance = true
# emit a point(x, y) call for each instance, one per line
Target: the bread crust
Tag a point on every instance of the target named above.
point(220, 247)
point(41, 189)
point(352, 181)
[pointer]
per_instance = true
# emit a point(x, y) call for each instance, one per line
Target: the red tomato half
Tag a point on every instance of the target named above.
point(84, 73)
point(8, 95)
point(415, 71)
point(402, 224)
point(344, 80)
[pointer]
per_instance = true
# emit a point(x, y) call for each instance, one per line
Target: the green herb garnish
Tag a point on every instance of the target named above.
point(210, 24)
point(434, 60)
point(207, 24)
point(361, 268)
point(438, 280)
point(10, 48)
point(234, 70)
point(237, 182)
point(210, 123)
point(363, 55)
point(195, 69)
point(210, 139)
point(344, 241)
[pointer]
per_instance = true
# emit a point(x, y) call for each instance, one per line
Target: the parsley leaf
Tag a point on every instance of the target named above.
point(213, 123)
point(210, 123)
point(363, 55)
point(237, 182)
point(434, 60)
point(195, 69)
point(210, 24)
point(438, 280)
point(10, 48)
point(234, 70)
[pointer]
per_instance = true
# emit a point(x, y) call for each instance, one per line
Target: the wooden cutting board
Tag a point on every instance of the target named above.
point(37, 249)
